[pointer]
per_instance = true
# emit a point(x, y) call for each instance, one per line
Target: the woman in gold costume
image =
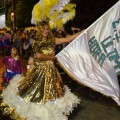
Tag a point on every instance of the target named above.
point(41, 95)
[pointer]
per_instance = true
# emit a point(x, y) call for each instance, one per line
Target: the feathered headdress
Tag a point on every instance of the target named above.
point(58, 12)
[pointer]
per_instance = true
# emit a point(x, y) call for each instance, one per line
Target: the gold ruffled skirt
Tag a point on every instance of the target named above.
point(42, 83)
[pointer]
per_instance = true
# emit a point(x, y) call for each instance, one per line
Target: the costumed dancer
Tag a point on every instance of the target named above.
point(41, 95)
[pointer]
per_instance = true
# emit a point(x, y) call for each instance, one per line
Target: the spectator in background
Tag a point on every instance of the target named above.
point(5, 44)
point(18, 41)
point(75, 30)
point(26, 45)
point(59, 34)
point(1, 36)
point(32, 37)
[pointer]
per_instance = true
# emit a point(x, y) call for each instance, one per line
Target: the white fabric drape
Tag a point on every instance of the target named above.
point(93, 58)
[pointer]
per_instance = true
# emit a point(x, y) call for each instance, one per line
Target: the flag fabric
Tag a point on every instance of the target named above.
point(93, 58)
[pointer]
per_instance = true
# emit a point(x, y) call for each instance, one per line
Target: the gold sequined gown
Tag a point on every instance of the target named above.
point(40, 95)
point(43, 81)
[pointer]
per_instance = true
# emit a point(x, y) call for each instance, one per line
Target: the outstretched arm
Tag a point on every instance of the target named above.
point(67, 39)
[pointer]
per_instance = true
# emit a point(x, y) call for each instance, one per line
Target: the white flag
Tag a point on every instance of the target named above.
point(93, 58)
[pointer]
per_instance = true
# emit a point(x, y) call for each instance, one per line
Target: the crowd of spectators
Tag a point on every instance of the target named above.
point(22, 39)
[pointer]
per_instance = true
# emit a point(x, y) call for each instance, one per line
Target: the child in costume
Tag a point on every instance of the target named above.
point(30, 62)
point(12, 66)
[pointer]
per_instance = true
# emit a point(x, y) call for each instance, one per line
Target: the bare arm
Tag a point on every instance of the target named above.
point(45, 57)
point(67, 39)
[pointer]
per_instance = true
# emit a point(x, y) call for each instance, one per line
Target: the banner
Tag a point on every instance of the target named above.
point(93, 58)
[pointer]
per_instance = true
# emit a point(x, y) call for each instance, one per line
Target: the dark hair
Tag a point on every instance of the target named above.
point(44, 23)
point(14, 48)
point(32, 56)
point(75, 31)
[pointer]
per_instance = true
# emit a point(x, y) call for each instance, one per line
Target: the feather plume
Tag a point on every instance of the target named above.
point(58, 12)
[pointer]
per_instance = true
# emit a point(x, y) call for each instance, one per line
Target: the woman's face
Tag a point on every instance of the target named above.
point(46, 30)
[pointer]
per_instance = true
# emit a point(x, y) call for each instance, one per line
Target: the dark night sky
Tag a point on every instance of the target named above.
point(87, 11)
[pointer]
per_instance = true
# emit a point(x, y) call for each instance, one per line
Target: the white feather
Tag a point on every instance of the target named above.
point(59, 6)
point(33, 21)
point(51, 110)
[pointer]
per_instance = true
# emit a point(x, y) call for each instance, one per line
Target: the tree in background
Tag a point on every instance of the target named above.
point(2, 7)
point(87, 11)
point(23, 10)
point(1, 3)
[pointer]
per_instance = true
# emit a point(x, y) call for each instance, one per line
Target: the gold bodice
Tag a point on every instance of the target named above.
point(44, 46)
